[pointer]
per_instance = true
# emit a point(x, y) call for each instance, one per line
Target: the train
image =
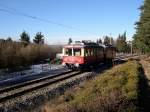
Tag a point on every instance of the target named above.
point(85, 54)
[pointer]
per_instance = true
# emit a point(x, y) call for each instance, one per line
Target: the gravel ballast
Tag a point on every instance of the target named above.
point(32, 101)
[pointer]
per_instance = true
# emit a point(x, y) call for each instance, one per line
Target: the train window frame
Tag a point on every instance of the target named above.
point(94, 51)
point(91, 51)
point(85, 52)
point(88, 52)
point(76, 52)
point(67, 52)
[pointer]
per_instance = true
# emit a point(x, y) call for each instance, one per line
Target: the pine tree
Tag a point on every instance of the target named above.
point(9, 39)
point(121, 43)
point(112, 41)
point(39, 38)
point(24, 37)
point(99, 41)
point(142, 36)
point(106, 40)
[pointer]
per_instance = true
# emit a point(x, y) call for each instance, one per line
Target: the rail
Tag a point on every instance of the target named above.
point(13, 91)
point(20, 89)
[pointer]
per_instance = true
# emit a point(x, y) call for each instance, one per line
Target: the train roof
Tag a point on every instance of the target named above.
point(79, 44)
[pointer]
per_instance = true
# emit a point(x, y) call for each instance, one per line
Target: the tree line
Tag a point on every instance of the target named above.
point(22, 53)
point(121, 44)
point(142, 36)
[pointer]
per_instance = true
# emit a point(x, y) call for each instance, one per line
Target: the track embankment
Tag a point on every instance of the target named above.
point(145, 85)
point(115, 90)
point(15, 102)
point(29, 96)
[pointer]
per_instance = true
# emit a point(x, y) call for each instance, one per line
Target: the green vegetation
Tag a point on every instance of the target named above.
point(121, 44)
point(108, 40)
point(39, 38)
point(99, 41)
point(142, 36)
point(24, 37)
point(116, 90)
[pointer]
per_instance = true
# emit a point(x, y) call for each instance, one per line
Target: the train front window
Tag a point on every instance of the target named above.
point(68, 52)
point(77, 52)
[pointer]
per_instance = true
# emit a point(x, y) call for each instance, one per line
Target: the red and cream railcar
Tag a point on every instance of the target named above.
point(82, 54)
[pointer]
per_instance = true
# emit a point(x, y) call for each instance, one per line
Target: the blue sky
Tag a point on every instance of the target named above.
point(90, 18)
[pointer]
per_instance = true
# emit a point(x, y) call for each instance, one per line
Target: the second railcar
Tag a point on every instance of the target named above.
point(109, 53)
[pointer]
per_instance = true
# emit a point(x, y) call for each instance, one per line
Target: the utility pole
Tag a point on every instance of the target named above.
point(131, 48)
point(110, 39)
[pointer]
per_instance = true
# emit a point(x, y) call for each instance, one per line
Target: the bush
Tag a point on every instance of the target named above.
point(16, 54)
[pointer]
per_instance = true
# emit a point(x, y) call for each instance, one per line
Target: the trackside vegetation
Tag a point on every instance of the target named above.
point(23, 53)
point(16, 54)
point(141, 38)
point(115, 90)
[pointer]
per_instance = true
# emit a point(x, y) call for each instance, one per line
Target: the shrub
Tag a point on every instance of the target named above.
point(16, 54)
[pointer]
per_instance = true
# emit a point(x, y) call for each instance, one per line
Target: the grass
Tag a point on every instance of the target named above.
point(115, 90)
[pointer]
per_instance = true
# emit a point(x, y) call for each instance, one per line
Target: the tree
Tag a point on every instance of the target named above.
point(70, 41)
point(39, 38)
point(106, 40)
point(121, 43)
point(24, 37)
point(9, 39)
point(142, 35)
point(99, 41)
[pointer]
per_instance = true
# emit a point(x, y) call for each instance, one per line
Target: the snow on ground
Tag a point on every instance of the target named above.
point(34, 69)
point(44, 67)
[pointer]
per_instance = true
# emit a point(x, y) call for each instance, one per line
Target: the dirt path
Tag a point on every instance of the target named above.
point(145, 86)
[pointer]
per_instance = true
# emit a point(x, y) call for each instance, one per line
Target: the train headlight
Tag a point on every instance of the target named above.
point(63, 64)
point(77, 64)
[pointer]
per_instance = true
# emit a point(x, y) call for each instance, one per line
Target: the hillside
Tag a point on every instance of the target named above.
point(114, 90)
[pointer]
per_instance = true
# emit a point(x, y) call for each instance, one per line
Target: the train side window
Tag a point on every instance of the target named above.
point(86, 52)
point(68, 52)
point(77, 52)
point(91, 52)
point(94, 52)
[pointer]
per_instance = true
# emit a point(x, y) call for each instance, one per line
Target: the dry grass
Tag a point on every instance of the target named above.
point(115, 90)
point(146, 65)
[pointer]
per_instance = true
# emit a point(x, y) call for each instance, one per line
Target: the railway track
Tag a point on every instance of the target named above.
point(126, 56)
point(24, 88)
point(20, 89)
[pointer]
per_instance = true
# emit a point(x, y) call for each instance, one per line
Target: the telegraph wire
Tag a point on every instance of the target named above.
point(15, 12)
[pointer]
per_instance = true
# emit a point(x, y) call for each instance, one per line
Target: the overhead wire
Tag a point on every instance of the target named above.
point(16, 12)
